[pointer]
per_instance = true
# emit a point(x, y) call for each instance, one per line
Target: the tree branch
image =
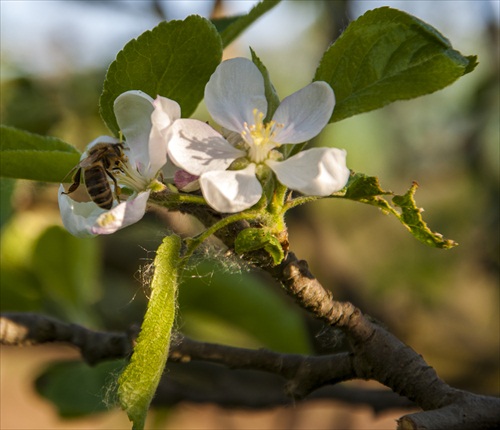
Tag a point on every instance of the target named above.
point(204, 372)
point(22, 329)
point(376, 353)
point(379, 355)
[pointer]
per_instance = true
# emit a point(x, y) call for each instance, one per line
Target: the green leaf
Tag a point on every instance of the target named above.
point(231, 28)
point(139, 381)
point(25, 155)
point(75, 388)
point(219, 303)
point(175, 60)
point(388, 55)
point(253, 239)
point(366, 189)
point(272, 98)
point(6, 191)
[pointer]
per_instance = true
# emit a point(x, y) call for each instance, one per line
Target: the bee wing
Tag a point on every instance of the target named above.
point(71, 172)
point(86, 162)
point(93, 156)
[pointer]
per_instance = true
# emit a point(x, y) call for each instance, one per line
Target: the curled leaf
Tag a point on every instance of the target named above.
point(411, 217)
point(367, 189)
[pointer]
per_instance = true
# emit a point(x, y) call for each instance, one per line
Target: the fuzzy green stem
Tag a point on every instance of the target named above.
point(195, 242)
point(171, 200)
point(299, 201)
point(278, 202)
point(139, 380)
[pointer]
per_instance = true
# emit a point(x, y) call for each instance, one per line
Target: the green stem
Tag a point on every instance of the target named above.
point(299, 201)
point(278, 202)
point(193, 243)
point(172, 200)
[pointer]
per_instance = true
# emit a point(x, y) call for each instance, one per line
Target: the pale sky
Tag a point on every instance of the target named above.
point(44, 36)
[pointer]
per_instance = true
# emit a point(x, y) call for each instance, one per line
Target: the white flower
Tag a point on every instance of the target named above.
point(236, 100)
point(145, 124)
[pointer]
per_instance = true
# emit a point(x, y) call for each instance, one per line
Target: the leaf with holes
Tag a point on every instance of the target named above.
point(367, 189)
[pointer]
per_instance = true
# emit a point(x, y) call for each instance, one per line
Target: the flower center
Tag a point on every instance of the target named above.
point(259, 137)
point(128, 177)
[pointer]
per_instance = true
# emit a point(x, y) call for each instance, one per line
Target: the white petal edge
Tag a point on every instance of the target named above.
point(234, 90)
point(314, 172)
point(122, 215)
point(165, 112)
point(133, 110)
point(198, 148)
point(305, 113)
point(231, 191)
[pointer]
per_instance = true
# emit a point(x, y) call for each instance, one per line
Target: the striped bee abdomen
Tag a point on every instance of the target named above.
point(96, 181)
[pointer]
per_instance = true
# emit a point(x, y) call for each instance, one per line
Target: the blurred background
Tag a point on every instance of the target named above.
point(445, 304)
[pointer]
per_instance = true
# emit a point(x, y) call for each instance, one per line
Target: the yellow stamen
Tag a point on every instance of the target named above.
point(259, 137)
point(105, 219)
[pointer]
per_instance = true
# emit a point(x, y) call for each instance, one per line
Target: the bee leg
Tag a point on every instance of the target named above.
point(117, 188)
point(76, 182)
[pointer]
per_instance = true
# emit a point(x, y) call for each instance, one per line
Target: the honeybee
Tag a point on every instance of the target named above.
point(102, 161)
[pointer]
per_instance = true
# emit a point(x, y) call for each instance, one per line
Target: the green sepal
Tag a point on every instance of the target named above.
point(138, 382)
point(388, 55)
point(175, 60)
point(253, 239)
point(272, 98)
point(273, 101)
point(367, 189)
point(25, 155)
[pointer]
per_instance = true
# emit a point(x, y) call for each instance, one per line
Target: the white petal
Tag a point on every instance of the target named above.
point(122, 215)
point(315, 172)
point(78, 217)
point(231, 190)
point(197, 148)
point(133, 111)
point(305, 113)
point(86, 219)
point(165, 112)
point(234, 90)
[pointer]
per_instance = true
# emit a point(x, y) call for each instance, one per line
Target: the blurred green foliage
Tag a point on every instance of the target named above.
point(77, 389)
